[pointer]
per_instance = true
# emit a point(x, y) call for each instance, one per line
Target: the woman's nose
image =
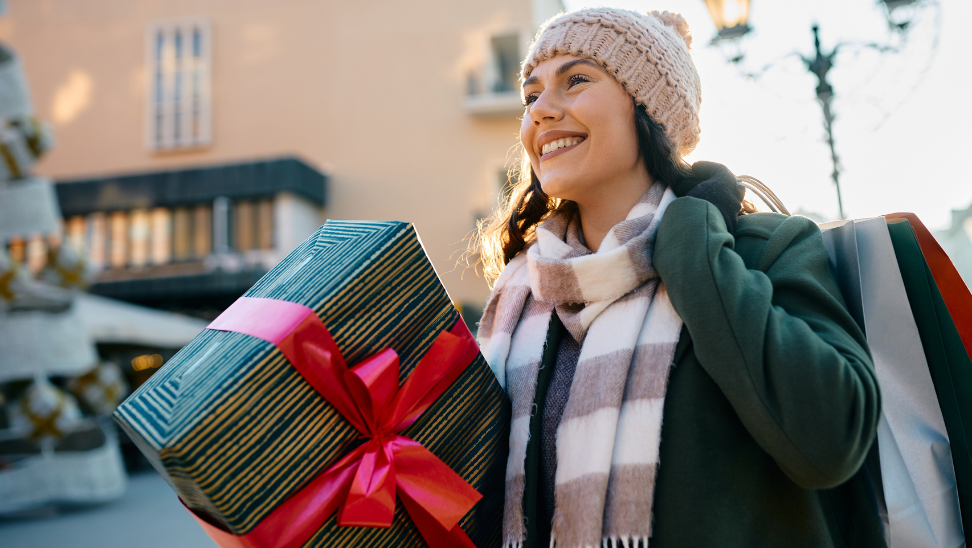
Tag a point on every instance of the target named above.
point(546, 107)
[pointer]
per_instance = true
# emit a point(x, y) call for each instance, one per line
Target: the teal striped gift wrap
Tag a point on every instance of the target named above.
point(236, 430)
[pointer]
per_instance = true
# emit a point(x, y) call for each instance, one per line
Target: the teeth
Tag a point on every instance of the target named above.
point(559, 143)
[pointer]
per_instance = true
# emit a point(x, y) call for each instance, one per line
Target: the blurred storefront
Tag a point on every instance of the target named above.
point(199, 141)
point(956, 240)
point(191, 239)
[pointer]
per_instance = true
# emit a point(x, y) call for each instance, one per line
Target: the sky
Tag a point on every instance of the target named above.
point(903, 119)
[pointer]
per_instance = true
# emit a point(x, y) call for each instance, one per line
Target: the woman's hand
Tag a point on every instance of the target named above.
point(717, 185)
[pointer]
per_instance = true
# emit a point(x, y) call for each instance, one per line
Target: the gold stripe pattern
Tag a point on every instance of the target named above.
point(240, 431)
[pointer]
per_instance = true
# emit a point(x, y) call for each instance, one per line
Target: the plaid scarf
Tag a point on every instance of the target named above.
point(613, 303)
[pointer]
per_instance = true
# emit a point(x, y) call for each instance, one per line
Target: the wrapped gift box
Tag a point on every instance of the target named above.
point(238, 431)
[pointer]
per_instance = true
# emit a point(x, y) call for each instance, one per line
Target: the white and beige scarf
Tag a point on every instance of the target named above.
point(614, 304)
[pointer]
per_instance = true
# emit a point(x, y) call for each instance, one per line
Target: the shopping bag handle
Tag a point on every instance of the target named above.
point(765, 194)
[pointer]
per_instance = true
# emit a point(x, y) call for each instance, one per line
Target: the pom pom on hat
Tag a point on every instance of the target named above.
point(677, 22)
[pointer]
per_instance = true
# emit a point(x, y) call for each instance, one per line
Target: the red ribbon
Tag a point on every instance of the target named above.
point(362, 486)
point(958, 299)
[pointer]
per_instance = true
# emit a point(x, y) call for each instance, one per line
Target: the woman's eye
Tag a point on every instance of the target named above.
point(529, 99)
point(576, 79)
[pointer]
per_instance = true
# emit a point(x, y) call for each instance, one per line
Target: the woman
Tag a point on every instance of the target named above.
point(677, 374)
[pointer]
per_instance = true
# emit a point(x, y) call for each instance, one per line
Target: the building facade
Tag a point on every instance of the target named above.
point(956, 240)
point(197, 142)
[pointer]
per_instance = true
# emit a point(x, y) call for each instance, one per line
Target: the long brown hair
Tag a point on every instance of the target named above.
point(523, 204)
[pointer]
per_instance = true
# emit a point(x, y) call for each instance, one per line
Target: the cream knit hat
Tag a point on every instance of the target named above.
point(648, 54)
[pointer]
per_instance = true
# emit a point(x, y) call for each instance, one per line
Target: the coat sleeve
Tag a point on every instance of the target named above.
point(777, 339)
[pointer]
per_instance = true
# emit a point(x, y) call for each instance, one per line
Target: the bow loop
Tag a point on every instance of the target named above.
point(448, 357)
point(373, 384)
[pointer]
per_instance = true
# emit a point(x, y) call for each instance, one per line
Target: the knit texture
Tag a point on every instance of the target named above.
point(648, 54)
point(613, 303)
point(554, 405)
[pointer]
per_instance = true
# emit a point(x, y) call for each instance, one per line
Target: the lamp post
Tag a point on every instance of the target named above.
point(731, 18)
point(820, 65)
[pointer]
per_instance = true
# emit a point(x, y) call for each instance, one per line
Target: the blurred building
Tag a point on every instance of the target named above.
point(200, 141)
point(956, 240)
point(191, 239)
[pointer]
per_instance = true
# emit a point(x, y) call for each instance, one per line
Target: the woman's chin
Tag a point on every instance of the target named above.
point(560, 186)
point(556, 189)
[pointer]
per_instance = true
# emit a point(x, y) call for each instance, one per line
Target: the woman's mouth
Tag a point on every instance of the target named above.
point(560, 146)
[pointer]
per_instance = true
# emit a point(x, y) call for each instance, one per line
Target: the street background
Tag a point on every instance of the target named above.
point(299, 111)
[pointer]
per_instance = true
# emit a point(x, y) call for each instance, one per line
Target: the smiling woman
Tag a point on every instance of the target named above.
point(581, 141)
point(678, 372)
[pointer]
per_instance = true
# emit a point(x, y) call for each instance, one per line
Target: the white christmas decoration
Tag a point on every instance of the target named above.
point(66, 268)
point(100, 389)
point(45, 412)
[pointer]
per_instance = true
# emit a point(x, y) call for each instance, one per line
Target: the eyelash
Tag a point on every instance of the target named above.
point(571, 82)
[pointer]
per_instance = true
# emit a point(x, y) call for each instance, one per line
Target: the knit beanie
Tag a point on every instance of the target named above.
point(647, 54)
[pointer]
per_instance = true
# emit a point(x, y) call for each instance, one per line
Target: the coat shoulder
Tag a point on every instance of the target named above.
point(764, 225)
point(764, 238)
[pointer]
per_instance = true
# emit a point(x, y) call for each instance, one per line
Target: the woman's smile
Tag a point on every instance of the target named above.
point(556, 142)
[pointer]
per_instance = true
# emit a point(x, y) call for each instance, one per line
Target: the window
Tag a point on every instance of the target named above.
point(264, 223)
point(202, 237)
point(118, 239)
point(98, 240)
point(179, 62)
point(253, 221)
point(139, 237)
point(161, 237)
point(221, 225)
point(493, 88)
point(77, 231)
point(192, 232)
point(182, 234)
point(245, 227)
point(506, 56)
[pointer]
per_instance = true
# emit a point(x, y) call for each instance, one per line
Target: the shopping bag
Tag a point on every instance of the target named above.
point(957, 297)
point(948, 361)
point(918, 494)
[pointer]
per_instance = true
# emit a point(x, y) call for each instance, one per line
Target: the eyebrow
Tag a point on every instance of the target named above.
point(562, 69)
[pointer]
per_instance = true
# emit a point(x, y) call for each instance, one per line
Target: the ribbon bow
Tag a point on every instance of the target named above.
point(362, 485)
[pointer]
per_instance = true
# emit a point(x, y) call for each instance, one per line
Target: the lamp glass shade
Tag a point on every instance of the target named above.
point(728, 13)
point(892, 4)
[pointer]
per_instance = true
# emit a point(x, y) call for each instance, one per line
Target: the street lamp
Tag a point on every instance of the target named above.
point(731, 17)
point(820, 65)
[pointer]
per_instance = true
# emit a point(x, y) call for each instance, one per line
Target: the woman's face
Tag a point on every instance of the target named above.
point(579, 131)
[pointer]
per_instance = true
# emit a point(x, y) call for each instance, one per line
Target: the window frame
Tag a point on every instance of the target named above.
point(171, 112)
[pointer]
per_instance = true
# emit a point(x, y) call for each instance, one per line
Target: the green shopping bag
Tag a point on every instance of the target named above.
point(948, 361)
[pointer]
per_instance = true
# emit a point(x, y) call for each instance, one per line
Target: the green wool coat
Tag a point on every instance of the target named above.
point(772, 404)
